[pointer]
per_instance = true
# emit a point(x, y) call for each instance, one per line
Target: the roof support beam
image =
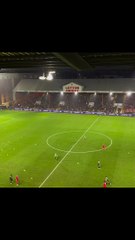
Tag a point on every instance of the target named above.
point(74, 60)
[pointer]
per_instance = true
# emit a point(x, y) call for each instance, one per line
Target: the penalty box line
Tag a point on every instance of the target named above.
point(68, 152)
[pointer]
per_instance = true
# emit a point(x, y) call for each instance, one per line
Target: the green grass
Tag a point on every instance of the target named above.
point(29, 140)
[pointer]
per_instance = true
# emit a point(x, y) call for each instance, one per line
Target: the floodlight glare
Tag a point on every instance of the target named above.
point(42, 77)
point(49, 77)
point(129, 93)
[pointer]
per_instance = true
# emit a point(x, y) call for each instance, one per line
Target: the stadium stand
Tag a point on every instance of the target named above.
point(94, 95)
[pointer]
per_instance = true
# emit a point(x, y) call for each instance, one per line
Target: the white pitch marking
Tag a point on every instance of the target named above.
point(67, 153)
point(96, 150)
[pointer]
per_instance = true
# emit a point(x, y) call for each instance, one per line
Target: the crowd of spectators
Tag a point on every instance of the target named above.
point(81, 102)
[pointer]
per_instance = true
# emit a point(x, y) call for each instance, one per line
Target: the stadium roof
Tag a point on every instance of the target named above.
point(64, 60)
point(89, 85)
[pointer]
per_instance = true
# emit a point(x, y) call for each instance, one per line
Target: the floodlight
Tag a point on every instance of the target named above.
point(42, 77)
point(49, 77)
point(129, 93)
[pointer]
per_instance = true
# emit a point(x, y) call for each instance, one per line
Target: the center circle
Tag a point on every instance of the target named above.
point(90, 139)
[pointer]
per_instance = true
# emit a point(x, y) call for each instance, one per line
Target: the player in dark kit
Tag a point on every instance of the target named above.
point(11, 179)
point(107, 180)
point(99, 164)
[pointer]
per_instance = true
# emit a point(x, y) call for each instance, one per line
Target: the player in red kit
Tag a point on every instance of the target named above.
point(17, 180)
point(103, 147)
point(104, 185)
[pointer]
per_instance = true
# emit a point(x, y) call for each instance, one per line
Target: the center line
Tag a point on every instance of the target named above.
point(68, 153)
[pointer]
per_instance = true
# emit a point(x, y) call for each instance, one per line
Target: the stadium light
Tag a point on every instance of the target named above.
point(42, 77)
point(129, 93)
point(49, 76)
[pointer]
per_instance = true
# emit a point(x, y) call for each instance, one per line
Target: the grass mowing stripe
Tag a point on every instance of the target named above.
point(68, 152)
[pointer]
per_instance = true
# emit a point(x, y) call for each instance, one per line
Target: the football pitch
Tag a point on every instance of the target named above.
point(29, 140)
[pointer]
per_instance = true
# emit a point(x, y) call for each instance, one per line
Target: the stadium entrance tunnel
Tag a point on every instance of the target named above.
point(92, 141)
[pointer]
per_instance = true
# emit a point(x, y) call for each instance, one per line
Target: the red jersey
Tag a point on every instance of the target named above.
point(104, 184)
point(104, 146)
point(17, 179)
